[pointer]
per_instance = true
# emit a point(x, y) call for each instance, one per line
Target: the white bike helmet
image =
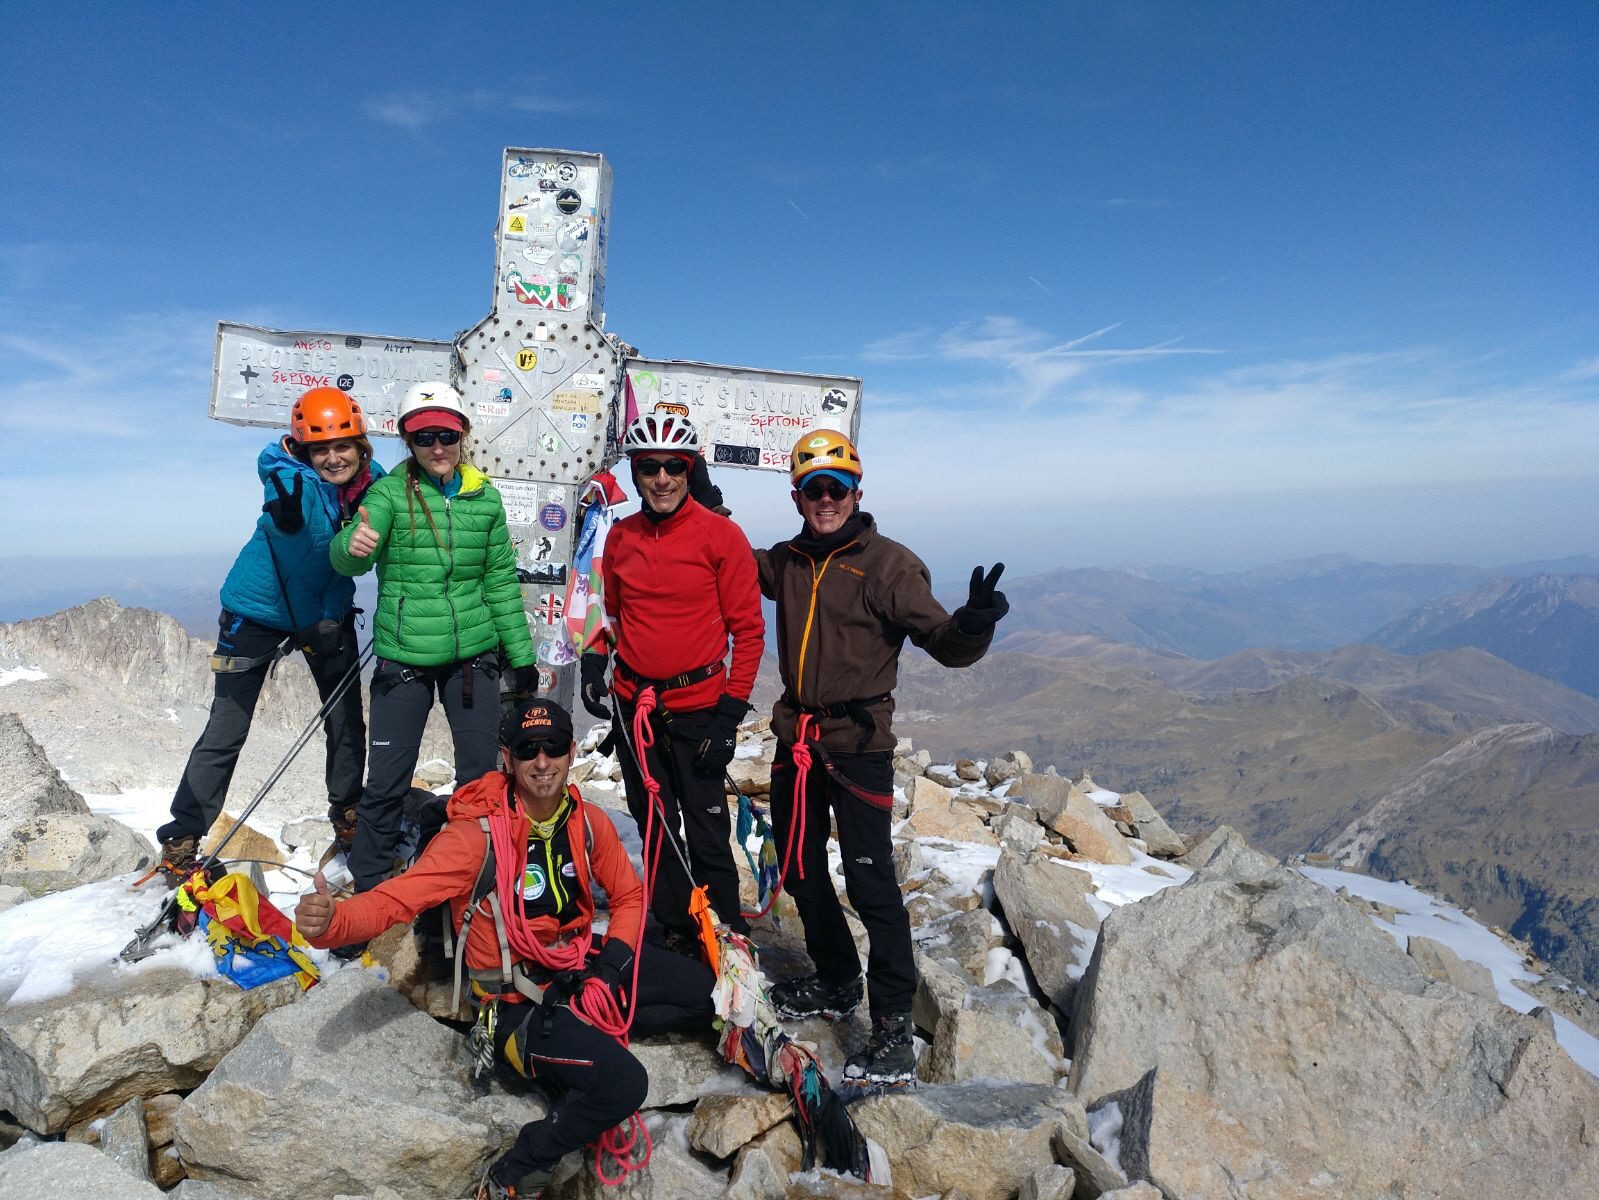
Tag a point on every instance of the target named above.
point(658, 431)
point(433, 396)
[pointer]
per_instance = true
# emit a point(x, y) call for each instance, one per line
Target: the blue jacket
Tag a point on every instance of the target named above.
point(315, 590)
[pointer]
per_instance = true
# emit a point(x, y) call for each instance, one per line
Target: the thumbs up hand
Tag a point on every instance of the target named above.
point(314, 913)
point(365, 539)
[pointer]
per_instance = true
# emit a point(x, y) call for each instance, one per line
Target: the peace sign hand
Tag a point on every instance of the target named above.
point(984, 606)
point(285, 511)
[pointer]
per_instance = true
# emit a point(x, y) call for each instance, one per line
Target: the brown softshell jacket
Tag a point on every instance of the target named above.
point(842, 620)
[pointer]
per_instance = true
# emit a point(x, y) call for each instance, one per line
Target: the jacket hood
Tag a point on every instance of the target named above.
point(480, 798)
point(274, 457)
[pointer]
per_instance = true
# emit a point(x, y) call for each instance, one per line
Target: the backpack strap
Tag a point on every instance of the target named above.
point(483, 888)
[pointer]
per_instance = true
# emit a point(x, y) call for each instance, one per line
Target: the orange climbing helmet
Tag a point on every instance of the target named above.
point(326, 414)
point(823, 450)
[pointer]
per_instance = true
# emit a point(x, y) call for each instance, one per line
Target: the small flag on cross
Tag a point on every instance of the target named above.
point(551, 608)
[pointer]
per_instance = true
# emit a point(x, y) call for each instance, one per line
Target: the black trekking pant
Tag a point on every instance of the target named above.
point(204, 786)
point(595, 1081)
point(402, 697)
point(859, 790)
point(695, 802)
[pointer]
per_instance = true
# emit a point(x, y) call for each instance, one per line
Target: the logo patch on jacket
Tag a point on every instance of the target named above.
point(533, 881)
point(855, 571)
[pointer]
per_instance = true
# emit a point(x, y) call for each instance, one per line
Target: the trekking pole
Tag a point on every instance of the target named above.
point(306, 734)
point(138, 948)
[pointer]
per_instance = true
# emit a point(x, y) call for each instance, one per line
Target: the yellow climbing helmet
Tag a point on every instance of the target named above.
point(823, 450)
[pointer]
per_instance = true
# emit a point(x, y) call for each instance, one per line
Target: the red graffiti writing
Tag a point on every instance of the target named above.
point(313, 344)
point(778, 421)
point(301, 379)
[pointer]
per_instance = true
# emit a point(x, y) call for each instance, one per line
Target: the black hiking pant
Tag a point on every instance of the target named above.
point(595, 1081)
point(859, 791)
point(204, 786)
point(402, 697)
point(697, 803)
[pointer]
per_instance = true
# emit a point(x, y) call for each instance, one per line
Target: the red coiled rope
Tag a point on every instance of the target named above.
point(801, 754)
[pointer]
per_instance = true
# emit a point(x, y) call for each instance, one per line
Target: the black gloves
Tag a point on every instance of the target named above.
point(525, 680)
point(706, 494)
point(594, 688)
point(612, 965)
point(984, 606)
point(285, 510)
point(721, 737)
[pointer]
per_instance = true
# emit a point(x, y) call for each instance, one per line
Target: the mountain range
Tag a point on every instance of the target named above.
point(1401, 758)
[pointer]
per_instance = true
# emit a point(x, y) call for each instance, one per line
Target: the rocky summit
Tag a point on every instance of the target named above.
point(1104, 1010)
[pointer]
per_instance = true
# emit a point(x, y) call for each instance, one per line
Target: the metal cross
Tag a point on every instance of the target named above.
point(548, 389)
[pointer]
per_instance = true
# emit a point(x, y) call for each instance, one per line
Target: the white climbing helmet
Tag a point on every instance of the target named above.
point(659, 431)
point(432, 396)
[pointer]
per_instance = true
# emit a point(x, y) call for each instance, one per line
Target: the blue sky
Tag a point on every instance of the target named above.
point(1202, 284)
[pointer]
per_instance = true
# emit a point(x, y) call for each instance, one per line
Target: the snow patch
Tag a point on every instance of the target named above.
point(1105, 1132)
point(50, 944)
point(1002, 964)
point(1420, 914)
point(21, 675)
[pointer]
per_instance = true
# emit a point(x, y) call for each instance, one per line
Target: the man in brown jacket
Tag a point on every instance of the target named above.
point(847, 599)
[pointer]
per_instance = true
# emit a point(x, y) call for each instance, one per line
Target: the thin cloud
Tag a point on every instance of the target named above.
point(1137, 202)
point(415, 111)
point(1034, 368)
point(409, 112)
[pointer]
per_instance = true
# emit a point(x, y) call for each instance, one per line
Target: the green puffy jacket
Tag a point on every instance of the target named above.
point(447, 588)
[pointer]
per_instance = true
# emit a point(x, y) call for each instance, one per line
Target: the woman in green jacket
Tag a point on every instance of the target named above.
point(448, 606)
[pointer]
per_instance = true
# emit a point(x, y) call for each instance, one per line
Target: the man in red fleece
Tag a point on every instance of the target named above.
point(679, 583)
point(549, 848)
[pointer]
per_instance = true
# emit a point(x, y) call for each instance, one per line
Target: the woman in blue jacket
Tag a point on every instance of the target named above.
point(283, 594)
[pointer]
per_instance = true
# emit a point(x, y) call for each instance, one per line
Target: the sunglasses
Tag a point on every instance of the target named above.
point(528, 751)
point(444, 437)
point(831, 488)
point(648, 468)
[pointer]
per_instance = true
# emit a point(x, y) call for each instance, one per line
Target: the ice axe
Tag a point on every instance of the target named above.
point(141, 946)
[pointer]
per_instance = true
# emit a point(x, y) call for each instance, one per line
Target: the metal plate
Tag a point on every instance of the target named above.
point(747, 418)
point(257, 374)
point(550, 242)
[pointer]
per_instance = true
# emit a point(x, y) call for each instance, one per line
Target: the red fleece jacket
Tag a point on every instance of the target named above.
point(675, 591)
point(448, 867)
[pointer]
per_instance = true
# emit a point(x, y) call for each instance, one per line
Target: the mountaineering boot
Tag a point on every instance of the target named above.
point(342, 818)
point(178, 858)
point(531, 1187)
point(889, 1059)
point(813, 996)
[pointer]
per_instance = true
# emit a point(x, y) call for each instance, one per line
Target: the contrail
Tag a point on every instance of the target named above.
point(1040, 286)
point(799, 210)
